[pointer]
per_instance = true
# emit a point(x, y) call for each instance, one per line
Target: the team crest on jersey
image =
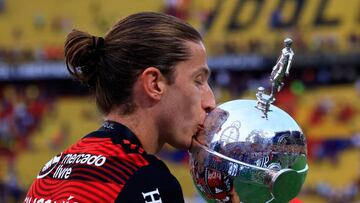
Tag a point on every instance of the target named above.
point(49, 166)
point(152, 196)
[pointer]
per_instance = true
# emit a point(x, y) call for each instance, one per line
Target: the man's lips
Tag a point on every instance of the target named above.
point(200, 128)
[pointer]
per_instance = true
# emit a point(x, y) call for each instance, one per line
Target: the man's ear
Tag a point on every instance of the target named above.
point(154, 82)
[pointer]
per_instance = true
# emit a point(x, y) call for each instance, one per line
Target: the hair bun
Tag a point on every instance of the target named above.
point(83, 53)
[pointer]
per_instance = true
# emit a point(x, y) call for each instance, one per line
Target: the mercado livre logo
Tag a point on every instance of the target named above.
point(62, 164)
point(49, 166)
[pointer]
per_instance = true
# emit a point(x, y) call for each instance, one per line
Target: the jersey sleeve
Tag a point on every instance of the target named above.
point(152, 183)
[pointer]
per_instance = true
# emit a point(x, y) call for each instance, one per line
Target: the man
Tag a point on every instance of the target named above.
point(150, 79)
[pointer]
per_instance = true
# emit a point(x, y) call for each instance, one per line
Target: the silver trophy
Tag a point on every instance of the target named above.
point(251, 146)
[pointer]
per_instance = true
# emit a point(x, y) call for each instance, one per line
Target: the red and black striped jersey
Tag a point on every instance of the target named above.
point(108, 165)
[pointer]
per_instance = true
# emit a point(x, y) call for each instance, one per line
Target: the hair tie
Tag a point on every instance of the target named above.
point(98, 43)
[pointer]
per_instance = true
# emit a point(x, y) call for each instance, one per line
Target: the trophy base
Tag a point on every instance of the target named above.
point(286, 185)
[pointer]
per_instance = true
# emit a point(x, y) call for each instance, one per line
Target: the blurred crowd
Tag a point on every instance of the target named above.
point(21, 111)
point(346, 194)
point(320, 44)
point(18, 56)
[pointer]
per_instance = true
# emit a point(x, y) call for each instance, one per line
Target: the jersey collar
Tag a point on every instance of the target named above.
point(117, 132)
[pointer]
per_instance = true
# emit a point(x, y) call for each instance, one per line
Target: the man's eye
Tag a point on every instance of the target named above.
point(199, 82)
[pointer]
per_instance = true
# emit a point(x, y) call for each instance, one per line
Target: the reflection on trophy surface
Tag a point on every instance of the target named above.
point(251, 146)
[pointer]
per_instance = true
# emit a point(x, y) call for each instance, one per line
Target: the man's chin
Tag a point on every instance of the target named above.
point(195, 143)
point(198, 139)
point(185, 145)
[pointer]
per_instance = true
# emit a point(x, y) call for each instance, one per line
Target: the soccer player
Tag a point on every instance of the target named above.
point(150, 79)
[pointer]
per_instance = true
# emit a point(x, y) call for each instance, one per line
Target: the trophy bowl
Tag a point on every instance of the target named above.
point(263, 158)
point(251, 147)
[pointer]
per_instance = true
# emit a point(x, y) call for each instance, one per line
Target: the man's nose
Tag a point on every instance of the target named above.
point(208, 100)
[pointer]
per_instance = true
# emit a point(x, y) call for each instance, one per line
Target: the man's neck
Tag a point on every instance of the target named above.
point(142, 127)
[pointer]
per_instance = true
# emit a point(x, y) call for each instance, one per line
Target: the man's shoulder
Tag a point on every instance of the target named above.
point(156, 167)
point(152, 182)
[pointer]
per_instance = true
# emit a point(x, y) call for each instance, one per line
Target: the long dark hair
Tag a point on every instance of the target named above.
point(111, 65)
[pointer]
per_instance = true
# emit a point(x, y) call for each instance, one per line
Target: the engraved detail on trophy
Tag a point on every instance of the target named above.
point(279, 71)
point(231, 133)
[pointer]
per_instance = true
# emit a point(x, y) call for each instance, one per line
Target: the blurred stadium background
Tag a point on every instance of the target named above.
point(43, 111)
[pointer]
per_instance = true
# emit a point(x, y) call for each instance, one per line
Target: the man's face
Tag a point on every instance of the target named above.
point(187, 100)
